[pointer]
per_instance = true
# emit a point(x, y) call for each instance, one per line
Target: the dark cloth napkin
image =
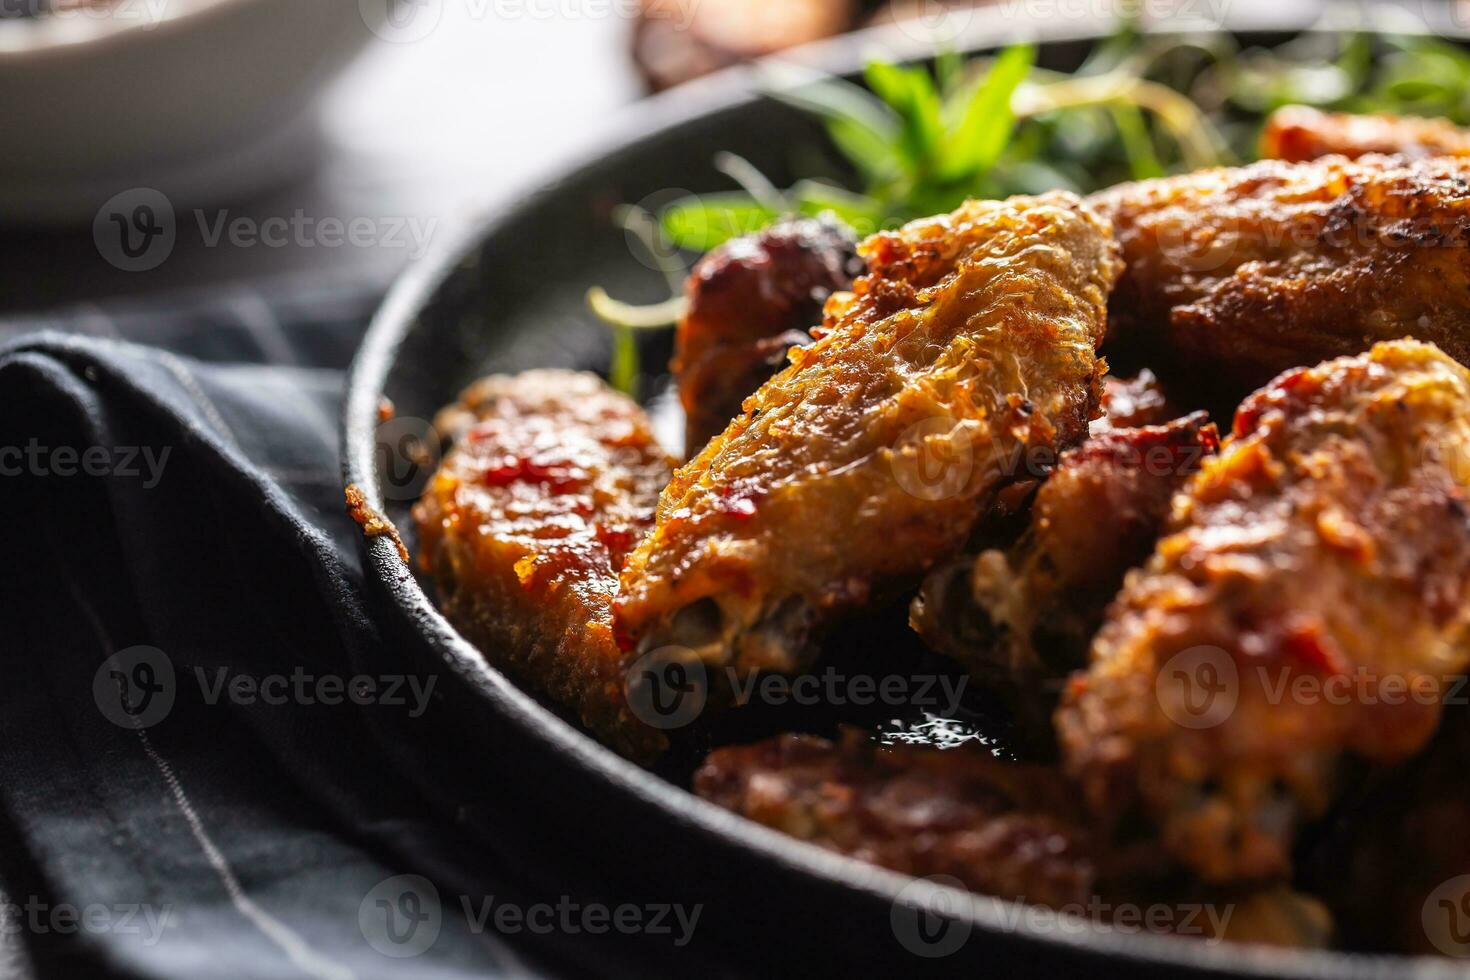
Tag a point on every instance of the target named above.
point(176, 505)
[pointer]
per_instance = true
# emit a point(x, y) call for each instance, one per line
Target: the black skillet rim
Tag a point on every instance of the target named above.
point(396, 319)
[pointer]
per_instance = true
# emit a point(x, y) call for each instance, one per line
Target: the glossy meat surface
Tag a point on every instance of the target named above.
point(1131, 403)
point(751, 300)
point(552, 480)
point(1299, 133)
point(970, 345)
point(1026, 616)
point(1236, 274)
point(1310, 574)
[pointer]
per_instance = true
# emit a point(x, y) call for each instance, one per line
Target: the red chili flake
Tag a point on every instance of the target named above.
point(617, 540)
point(1308, 644)
point(1251, 410)
point(560, 475)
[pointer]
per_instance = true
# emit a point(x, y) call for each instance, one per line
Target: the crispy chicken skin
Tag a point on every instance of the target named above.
point(751, 300)
point(552, 480)
point(1298, 133)
point(970, 344)
point(1000, 828)
point(1236, 274)
point(1026, 615)
point(1012, 831)
point(1325, 549)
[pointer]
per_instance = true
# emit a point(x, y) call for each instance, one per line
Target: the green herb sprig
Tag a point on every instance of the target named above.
point(920, 140)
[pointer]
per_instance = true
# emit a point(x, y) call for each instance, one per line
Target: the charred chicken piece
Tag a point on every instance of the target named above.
point(1002, 829)
point(1023, 618)
point(1310, 574)
point(552, 481)
point(969, 347)
point(1298, 133)
point(751, 300)
point(1236, 274)
point(1011, 831)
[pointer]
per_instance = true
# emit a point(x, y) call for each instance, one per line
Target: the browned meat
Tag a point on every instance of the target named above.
point(1131, 403)
point(1234, 275)
point(968, 350)
point(1299, 133)
point(1308, 598)
point(751, 300)
point(1015, 832)
point(1025, 617)
point(525, 526)
point(1001, 829)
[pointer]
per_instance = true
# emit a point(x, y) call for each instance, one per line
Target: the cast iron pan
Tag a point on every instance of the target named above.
point(509, 296)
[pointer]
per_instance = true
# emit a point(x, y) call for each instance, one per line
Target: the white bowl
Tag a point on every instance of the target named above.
point(204, 100)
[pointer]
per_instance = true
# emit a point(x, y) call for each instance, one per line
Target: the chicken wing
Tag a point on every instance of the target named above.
point(1000, 828)
point(1025, 617)
point(751, 300)
point(1299, 133)
point(1015, 832)
point(552, 481)
point(1310, 575)
point(1234, 275)
point(967, 351)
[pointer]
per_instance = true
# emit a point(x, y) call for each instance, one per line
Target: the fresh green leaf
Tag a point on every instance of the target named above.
point(862, 214)
point(988, 120)
point(910, 93)
point(866, 149)
point(708, 221)
point(1143, 162)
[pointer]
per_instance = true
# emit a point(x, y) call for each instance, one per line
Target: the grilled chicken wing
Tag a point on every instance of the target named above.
point(1234, 275)
point(1299, 133)
point(1310, 575)
point(751, 300)
point(553, 479)
point(1026, 616)
point(969, 346)
point(1001, 829)
point(1015, 832)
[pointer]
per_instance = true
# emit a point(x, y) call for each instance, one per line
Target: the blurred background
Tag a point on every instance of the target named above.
point(154, 145)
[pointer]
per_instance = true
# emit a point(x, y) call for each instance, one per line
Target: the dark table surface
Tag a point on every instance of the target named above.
point(430, 132)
